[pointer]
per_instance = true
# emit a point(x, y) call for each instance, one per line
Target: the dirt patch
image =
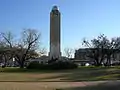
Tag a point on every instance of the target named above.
point(42, 85)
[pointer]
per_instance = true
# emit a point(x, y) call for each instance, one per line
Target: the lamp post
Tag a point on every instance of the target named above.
point(13, 62)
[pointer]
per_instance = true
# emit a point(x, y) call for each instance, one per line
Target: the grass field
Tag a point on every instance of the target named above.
point(23, 79)
point(80, 74)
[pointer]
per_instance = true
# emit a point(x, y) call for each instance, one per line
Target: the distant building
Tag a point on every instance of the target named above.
point(42, 59)
point(81, 56)
point(45, 59)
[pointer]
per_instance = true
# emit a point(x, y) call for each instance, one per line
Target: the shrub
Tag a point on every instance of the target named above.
point(62, 65)
point(33, 65)
point(58, 65)
point(36, 65)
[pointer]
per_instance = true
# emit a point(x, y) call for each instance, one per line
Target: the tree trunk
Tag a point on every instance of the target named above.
point(97, 62)
point(5, 60)
point(21, 65)
point(108, 60)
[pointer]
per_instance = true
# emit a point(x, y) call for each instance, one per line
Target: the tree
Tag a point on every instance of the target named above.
point(22, 50)
point(6, 44)
point(29, 42)
point(97, 48)
point(42, 51)
point(115, 46)
point(68, 52)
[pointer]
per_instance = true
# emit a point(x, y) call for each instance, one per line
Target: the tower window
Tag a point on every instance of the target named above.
point(55, 12)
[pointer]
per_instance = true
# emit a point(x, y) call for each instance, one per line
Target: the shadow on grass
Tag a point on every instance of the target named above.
point(94, 74)
point(24, 70)
point(86, 74)
point(103, 86)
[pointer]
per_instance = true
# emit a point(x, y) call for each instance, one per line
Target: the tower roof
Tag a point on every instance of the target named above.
point(55, 8)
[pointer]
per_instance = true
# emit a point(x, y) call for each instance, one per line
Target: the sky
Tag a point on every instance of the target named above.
point(79, 19)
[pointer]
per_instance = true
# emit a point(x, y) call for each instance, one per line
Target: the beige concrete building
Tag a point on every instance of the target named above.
point(55, 50)
point(81, 55)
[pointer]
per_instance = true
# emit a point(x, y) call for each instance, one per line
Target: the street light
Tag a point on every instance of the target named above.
point(13, 61)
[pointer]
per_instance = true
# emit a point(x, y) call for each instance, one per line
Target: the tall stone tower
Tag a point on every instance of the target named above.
point(55, 50)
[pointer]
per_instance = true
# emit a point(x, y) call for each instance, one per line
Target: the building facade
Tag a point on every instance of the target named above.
point(81, 55)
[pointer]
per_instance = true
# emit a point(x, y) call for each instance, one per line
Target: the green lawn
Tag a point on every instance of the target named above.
point(80, 74)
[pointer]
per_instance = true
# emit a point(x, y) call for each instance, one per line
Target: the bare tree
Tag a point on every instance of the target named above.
point(24, 49)
point(29, 42)
point(8, 39)
point(6, 46)
point(115, 47)
point(68, 52)
point(97, 48)
point(42, 51)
